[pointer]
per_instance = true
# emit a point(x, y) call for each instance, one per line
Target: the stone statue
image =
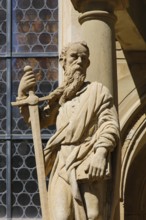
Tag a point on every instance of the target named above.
point(78, 155)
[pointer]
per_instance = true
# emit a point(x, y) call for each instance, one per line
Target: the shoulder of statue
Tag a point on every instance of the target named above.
point(96, 85)
point(100, 86)
point(101, 90)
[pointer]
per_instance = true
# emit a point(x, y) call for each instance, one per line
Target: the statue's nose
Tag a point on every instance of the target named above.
point(79, 60)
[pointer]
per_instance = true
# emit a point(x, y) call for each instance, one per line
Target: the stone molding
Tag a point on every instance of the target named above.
point(86, 5)
point(98, 15)
point(133, 133)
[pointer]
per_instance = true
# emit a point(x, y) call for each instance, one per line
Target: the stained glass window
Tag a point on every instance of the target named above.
point(3, 85)
point(28, 36)
point(3, 29)
point(2, 179)
point(35, 26)
point(25, 194)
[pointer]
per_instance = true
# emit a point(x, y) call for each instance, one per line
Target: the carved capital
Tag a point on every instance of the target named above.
point(98, 15)
point(88, 5)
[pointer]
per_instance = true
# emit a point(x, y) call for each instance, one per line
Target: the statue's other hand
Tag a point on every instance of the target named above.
point(96, 168)
point(28, 82)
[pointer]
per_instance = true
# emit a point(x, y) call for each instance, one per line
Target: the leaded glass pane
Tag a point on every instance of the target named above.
point(46, 71)
point(3, 34)
point(35, 25)
point(3, 85)
point(34, 29)
point(25, 194)
point(2, 180)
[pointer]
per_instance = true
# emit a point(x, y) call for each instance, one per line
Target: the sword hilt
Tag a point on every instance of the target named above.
point(29, 69)
point(32, 99)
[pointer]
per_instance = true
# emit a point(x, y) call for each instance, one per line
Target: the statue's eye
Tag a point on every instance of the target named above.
point(84, 57)
point(74, 56)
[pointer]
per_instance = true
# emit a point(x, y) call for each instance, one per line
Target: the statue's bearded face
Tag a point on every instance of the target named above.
point(77, 60)
point(75, 63)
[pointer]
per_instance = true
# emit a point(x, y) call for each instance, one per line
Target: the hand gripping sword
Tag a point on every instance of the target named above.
point(32, 102)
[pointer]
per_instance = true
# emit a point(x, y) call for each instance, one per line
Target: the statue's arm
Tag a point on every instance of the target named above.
point(107, 137)
point(108, 128)
point(48, 114)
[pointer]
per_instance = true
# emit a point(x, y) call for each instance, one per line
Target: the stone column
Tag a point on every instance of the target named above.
point(97, 21)
point(97, 29)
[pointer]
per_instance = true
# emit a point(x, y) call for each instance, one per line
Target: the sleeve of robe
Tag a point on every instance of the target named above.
point(108, 125)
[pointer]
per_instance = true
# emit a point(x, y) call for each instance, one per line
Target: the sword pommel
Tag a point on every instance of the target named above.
point(27, 68)
point(32, 99)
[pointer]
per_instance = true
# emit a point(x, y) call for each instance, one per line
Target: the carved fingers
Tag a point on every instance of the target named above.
point(27, 83)
point(96, 168)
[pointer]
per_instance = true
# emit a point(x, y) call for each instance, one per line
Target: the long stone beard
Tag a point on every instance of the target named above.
point(71, 85)
point(75, 83)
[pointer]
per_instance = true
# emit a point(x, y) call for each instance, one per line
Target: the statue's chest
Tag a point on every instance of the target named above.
point(71, 106)
point(68, 110)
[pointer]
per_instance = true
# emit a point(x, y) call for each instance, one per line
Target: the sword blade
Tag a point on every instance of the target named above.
point(39, 156)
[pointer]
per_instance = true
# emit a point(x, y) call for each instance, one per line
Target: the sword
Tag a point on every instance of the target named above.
point(32, 102)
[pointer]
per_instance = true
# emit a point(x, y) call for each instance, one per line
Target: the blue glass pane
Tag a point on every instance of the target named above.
point(3, 85)
point(2, 180)
point(25, 193)
point(3, 31)
point(35, 26)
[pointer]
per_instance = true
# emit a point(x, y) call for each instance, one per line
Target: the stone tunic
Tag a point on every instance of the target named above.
point(84, 123)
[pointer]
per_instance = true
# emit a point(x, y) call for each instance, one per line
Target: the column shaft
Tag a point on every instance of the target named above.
point(97, 29)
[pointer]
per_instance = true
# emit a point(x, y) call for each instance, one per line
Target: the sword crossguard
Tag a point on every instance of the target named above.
point(30, 100)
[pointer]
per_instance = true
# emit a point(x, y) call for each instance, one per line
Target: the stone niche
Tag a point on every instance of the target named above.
point(86, 5)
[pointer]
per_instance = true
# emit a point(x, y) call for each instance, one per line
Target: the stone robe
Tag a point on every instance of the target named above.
point(85, 123)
